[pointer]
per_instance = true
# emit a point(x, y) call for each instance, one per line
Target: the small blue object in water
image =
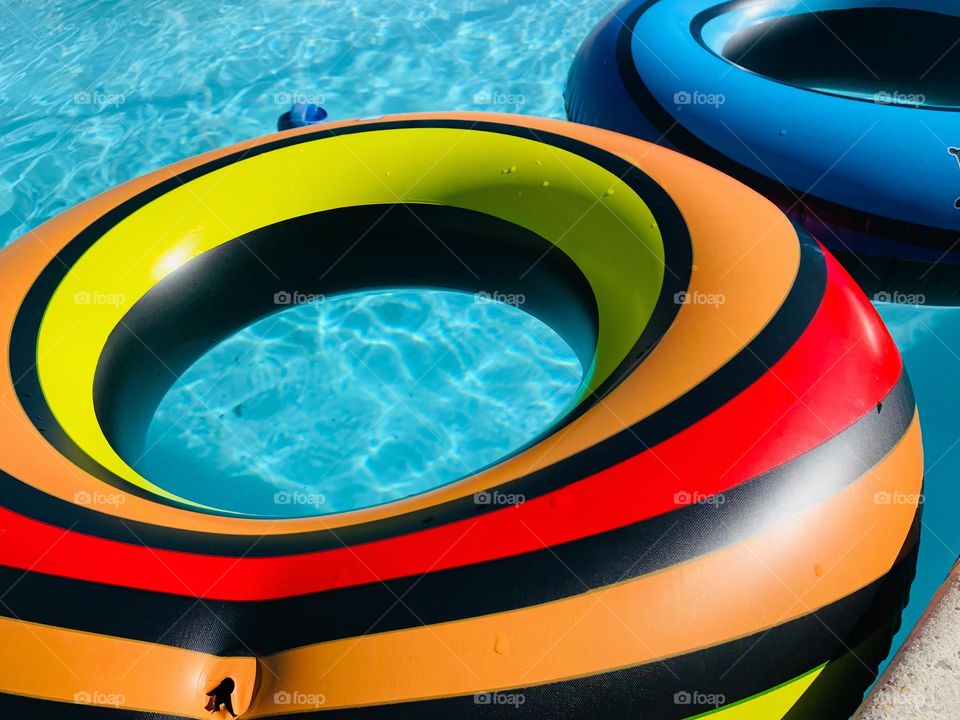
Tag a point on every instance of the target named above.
point(301, 115)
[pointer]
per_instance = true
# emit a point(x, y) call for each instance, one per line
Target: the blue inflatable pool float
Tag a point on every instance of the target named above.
point(844, 112)
point(301, 115)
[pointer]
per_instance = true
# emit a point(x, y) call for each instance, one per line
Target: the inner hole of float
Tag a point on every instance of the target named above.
point(350, 401)
point(888, 55)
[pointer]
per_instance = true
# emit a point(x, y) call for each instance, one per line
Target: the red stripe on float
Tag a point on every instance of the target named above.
point(843, 363)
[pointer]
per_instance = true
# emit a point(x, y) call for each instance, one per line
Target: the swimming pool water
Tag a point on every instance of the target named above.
point(356, 400)
point(93, 94)
point(96, 93)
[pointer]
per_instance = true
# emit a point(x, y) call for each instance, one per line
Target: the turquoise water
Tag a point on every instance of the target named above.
point(96, 93)
point(93, 94)
point(357, 400)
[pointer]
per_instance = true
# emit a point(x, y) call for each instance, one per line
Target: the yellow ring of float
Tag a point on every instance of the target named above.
point(614, 240)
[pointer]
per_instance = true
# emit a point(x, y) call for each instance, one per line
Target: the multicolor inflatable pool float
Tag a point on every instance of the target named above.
point(842, 111)
point(724, 522)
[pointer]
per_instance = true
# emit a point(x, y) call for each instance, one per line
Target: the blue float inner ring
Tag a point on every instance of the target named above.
point(791, 44)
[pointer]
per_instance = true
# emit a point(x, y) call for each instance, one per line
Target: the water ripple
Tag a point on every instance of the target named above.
point(358, 400)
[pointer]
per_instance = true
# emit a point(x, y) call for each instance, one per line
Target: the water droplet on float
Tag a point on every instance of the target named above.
point(818, 570)
point(545, 183)
point(501, 645)
point(609, 192)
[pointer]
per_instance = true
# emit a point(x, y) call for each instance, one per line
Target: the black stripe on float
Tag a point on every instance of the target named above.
point(677, 260)
point(751, 363)
point(738, 670)
point(538, 577)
